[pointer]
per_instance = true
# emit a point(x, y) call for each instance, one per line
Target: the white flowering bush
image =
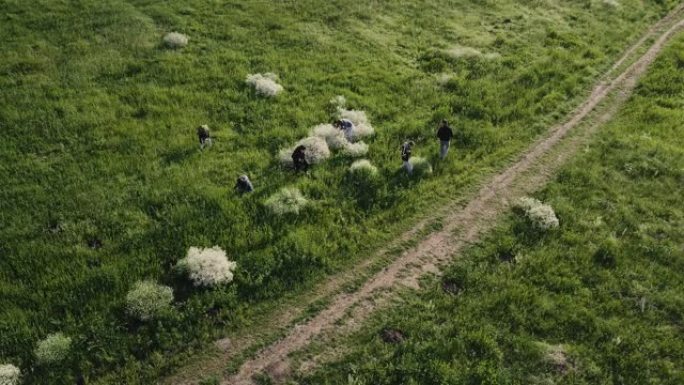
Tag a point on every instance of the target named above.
point(207, 267)
point(355, 150)
point(338, 101)
point(175, 40)
point(363, 166)
point(541, 215)
point(362, 127)
point(316, 151)
point(148, 300)
point(54, 348)
point(421, 166)
point(333, 136)
point(288, 200)
point(9, 374)
point(265, 84)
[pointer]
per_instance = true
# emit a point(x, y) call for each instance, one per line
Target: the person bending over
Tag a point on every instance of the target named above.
point(347, 126)
point(406, 156)
point(299, 159)
point(244, 185)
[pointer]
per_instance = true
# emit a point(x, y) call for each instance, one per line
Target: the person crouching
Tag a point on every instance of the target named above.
point(299, 159)
point(244, 185)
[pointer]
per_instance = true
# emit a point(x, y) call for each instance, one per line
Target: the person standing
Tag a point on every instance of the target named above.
point(444, 133)
point(406, 156)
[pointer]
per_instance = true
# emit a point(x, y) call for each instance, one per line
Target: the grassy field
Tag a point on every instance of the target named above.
point(596, 301)
point(103, 183)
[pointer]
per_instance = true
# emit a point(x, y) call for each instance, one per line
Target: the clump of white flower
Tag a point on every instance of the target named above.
point(265, 84)
point(363, 166)
point(175, 40)
point(53, 348)
point(207, 267)
point(362, 127)
point(611, 3)
point(288, 200)
point(148, 300)
point(338, 101)
point(333, 136)
point(316, 151)
point(421, 166)
point(355, 150)
point(541, 215)
point(336, 140)
point(9, 374)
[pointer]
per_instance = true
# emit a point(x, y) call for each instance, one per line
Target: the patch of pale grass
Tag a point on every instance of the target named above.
point(148, 300)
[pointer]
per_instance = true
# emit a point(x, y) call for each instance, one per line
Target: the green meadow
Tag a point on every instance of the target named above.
point(596, 301)
point(103, 183)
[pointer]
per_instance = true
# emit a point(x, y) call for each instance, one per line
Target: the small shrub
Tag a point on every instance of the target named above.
point(207, 267)
point(541, 215)
point(175, 40)
point(333, 136)
point(338, 101)
point(9, 374)
point(421, 166)
point(316, 151)
point(363, 166)
point(265, 84)
point(355, 149)
point(288, 200)
point(148, 300)
point(54, 348)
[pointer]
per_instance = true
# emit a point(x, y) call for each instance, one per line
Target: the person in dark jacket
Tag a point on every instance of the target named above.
point(444, 133)
point(244, 185)
point(203, 135)
point(406, 156)
point(299, 159)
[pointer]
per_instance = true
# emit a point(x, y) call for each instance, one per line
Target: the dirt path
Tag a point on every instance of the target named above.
point(463, 226)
